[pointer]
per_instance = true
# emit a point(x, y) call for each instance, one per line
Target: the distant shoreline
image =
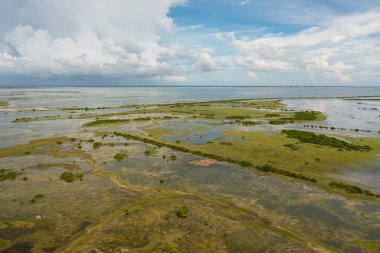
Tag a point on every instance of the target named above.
point(181, 86)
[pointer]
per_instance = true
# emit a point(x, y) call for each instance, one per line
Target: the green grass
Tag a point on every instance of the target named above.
point(299, 117)
point(23, 149)
point(3, 103)
point(321, 139)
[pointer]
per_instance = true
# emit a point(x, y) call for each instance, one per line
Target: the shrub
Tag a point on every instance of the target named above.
point(269, 168)
point(120, 157)
point(68, 177)
point(183, 212)
point(172, 249)
point(8, 175)
point(349, 188)
point(97, 145)
point(37, 196)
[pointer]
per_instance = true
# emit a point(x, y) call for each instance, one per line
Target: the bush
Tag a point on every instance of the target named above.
point(68, 177)
point(183, 212)
point(269, 168)
point(349, 188)
point(8, 175)
point(120, 157)
point(97, 145)
point(172, 249)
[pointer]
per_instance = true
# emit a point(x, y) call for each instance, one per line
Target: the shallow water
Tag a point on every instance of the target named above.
point(325, 212)
point(113, 96)
point(323, 217)
point(349, 114)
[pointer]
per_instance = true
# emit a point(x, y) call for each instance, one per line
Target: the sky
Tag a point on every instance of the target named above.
point(190, 42)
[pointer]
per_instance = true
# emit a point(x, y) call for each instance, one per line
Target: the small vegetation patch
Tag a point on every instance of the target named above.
point(22, 120)
point(298, 116)
point(305, 115)
point(292, 146)
point(37, 196)
point(97, 145)
point(8, 175)
point(349, 188)
point(269, 168)
point(320, 139)
point(248, 122)
point(172, 249)
point(225, 143)
point(183, 212)
point(272, 115)
point(281, 121)
point(120, 157)
point(104, 121)
point(237, 117)
point(68, 177)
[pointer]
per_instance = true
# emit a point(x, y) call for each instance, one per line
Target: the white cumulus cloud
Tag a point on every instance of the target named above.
point(98, 36)
point(333, 49)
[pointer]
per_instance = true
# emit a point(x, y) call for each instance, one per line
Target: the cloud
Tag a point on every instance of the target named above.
point(125, 37)
point(244, 2)
point(177, 79)
point(336, 70)
point(206, 62)
point(323, 50)
point(139, 39)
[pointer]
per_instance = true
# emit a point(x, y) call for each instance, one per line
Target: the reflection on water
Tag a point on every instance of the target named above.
point(349, 114)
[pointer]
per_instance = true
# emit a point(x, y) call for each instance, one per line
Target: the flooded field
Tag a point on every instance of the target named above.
point(128, 173)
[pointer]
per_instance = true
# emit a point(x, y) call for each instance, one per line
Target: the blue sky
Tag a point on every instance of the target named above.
point(189, 42)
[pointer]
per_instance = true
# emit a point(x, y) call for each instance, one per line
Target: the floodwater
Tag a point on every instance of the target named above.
point(322, 217)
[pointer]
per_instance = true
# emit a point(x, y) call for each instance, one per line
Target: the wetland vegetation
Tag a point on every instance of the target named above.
point(321, 139)
point(265, 185)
